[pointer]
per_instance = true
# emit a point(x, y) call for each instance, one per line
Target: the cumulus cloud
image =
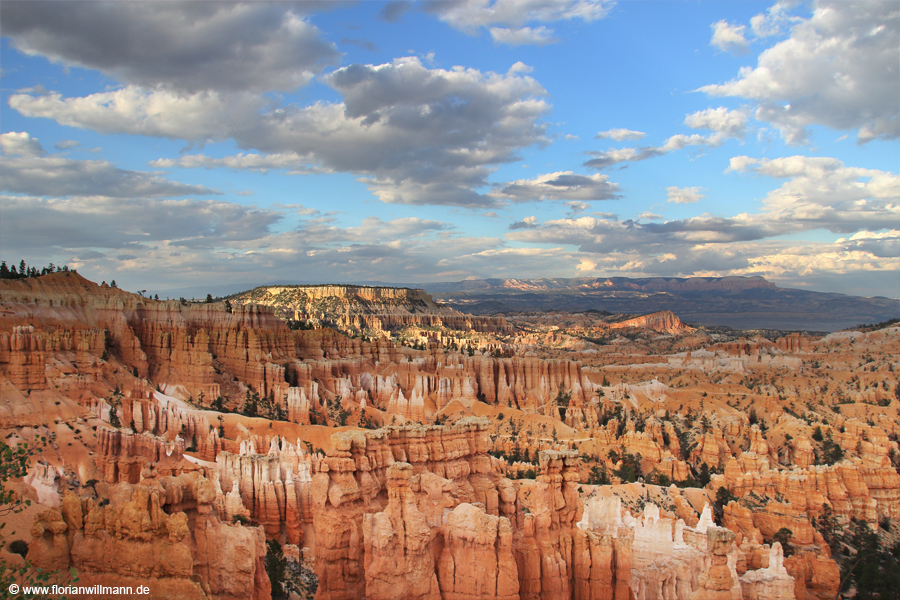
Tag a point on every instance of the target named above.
point(771, 22)
point(417, 135)
point(167, 241)
point(576, 206)
point(20, 144)
point(185, 46)
point(58, 176)
point(520, 67)
point(613, 156)
point(563, 185)
point(621, 134)
point(685, 195)
point(261, 163)
point(373, 230)
point(818, 194)
point(467, 15)
point(523, 36)
point(724, 123)
point(731, 123)
point(698, 249)
point(33, 223)
point(199, 117)
point(526, 223)
point(508, 20)
point(729, 38)
point(838, 69)
point(823, 193)
point(504, 261)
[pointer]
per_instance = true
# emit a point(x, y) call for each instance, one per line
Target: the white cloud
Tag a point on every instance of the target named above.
point(58, 176)
point(418, 135)
point(563, 185)
point(507, 20)
point(373, 230)
point(837, 69)
point(526, 223)
point(20, 144)
point(823, 193)
point(732, 123)
point(576, 206)
point(186, 46)
point(621, 134)
point(523, 36)
point(770, 23)
point(818, 194)
point(520, 67)
point(642, 250)
point(166, 242)
point(290, 161)
point(586, 266)
point(729, 38)
point(83, 222)
point(467, 15)
point(685, 195)
point(724, 123)
point(134, 110)
point(613, 156)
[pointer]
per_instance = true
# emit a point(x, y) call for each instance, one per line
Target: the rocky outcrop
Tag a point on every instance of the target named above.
point(664, 321)
point(477, 561)
point(397, 543)
point(353, 309)
point(163, 535)
point(128, 457)
point(842, 486)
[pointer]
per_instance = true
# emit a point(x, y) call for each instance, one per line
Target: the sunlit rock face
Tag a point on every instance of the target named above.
point(351, 308)
point(436, 474)
point(163, 534)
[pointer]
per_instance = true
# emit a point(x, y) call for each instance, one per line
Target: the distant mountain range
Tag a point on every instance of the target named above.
point(738, 302)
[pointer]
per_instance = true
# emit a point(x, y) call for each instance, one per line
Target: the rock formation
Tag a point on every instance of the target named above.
point(352, 308)
point(182, 436)
point(163, 535)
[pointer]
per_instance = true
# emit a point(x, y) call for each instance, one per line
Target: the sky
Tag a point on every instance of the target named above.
point(175, 144)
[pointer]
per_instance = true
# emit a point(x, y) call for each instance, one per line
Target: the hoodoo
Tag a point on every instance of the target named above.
point(191, 446)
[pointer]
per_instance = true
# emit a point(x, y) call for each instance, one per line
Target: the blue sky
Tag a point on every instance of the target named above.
point(176, 144)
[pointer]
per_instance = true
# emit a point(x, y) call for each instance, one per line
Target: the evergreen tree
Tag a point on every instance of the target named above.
point(4, 271)
point(276, 565)
point(704, 477)
point(251, 404)
point(783, 536)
